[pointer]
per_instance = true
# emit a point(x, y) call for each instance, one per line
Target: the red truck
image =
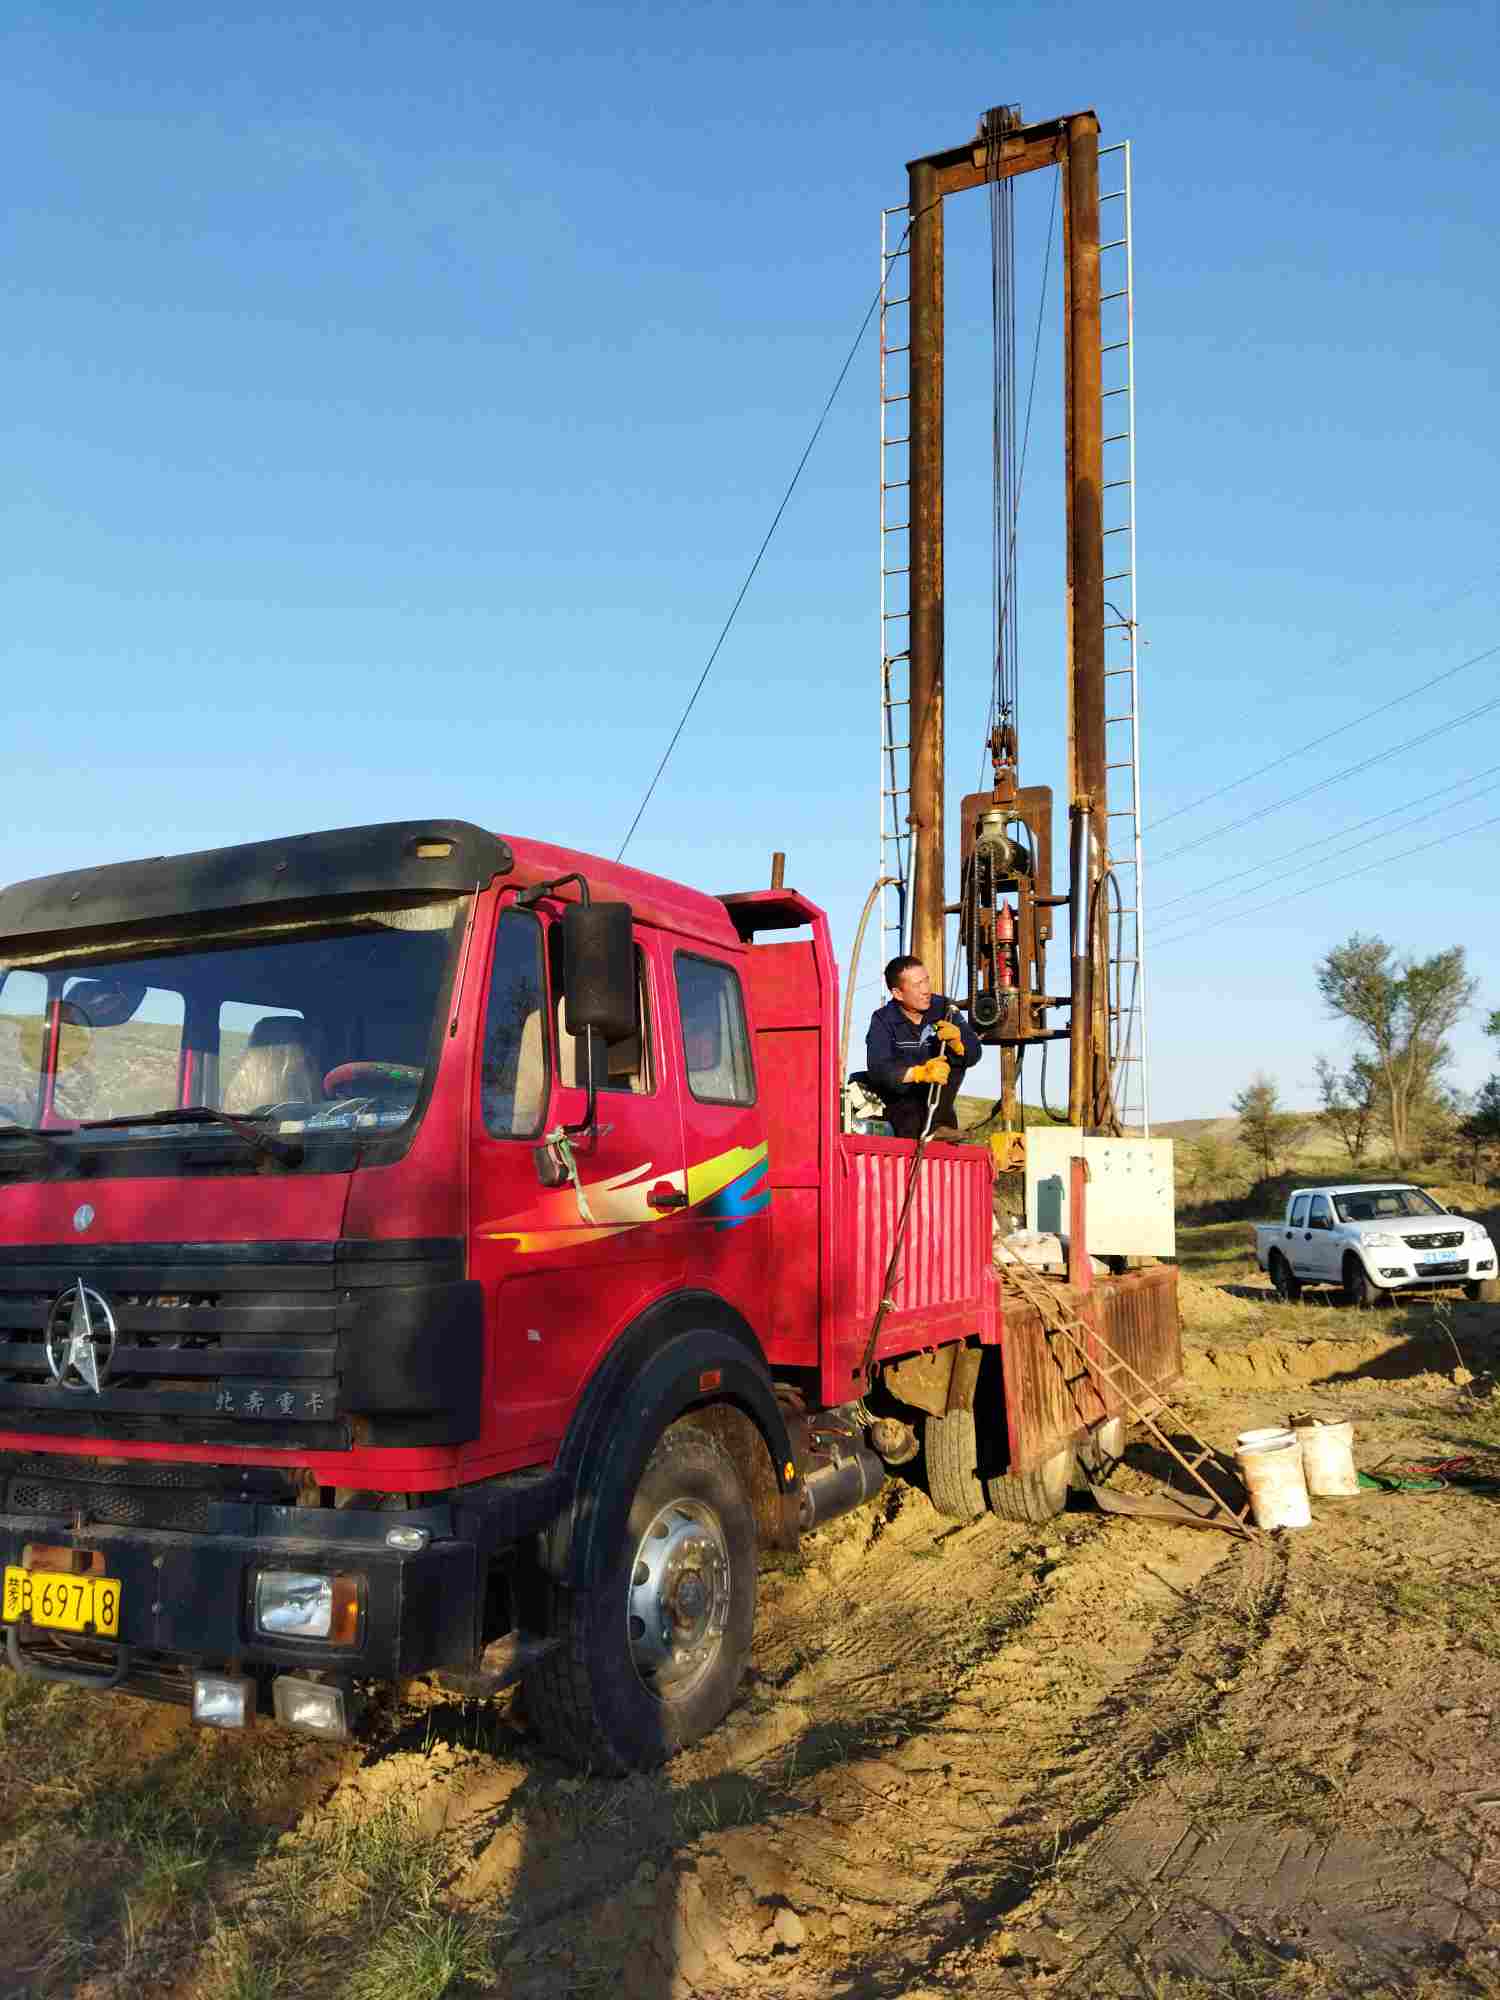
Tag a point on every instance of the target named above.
point(427, 1252)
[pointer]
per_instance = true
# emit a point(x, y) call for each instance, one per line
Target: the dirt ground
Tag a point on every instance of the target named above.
point(1111, 1757)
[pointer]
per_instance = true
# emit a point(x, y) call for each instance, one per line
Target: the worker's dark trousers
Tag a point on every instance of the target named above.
point(908, 1111)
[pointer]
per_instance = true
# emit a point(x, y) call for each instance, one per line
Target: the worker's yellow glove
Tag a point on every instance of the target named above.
point(952, 1034)
point(935, 1071)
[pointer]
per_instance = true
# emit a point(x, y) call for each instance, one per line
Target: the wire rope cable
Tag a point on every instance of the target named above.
point(750, 574)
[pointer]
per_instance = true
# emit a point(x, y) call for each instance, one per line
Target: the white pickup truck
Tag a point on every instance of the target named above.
point(1374, 1240)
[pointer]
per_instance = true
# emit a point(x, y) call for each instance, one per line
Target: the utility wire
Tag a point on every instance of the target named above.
point(1349, 771)
point(1302, 748)
point(807, 452)
point(1327, 840)
point(1353, 848)
point(1382, 861)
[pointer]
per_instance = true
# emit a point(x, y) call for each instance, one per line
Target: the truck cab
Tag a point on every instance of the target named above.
point(428, 1251)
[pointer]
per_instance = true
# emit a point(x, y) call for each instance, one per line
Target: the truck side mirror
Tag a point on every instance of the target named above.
point(599, 986)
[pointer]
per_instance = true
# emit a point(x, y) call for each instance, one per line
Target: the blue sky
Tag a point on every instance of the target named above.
point(392, 408)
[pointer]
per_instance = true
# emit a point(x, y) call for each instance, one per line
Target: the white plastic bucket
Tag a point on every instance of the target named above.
point(1272, 1473)
point(1259, 1440)
point(1328, 1456)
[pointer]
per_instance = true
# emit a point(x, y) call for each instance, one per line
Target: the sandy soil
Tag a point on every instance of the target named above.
point(1114, 1757)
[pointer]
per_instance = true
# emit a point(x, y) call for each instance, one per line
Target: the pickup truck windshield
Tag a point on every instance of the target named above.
point(313, 1027)
point(1372, 1204)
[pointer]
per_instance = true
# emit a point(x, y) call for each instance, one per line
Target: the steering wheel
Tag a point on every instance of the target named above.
point(358, 1078)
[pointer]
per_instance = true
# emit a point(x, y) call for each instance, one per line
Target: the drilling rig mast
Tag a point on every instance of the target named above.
point(1006, 901)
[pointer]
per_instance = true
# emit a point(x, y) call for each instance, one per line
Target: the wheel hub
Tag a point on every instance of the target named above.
point(677, 1599)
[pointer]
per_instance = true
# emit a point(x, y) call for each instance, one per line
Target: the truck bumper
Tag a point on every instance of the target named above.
point(187, 1601)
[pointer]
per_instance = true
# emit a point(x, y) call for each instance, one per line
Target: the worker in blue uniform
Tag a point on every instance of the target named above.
point(915, 1041)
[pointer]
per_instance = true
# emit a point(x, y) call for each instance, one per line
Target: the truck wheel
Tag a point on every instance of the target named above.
point(655, 1642)
point(1034, 1496)
point(1485, 1289)
point(1358, 1290)
point(1288, 1285)
point(951, 1444)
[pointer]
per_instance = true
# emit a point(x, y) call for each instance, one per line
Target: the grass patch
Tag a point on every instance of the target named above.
point(1465, 1610)
point(353, 1907)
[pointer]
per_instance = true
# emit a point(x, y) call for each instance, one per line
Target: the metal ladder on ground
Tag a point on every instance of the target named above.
point(1086, 1356)
point(895, 580)
point(1127, 924)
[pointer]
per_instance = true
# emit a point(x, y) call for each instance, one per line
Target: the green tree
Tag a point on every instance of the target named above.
point(1403, 1009)
point(1348, 1101)
point(1265, 1129)
point(1479, 1128)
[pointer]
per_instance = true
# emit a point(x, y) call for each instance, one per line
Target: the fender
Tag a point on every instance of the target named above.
point(654, 1373)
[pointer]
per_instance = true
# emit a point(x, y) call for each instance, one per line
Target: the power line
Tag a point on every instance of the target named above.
point(1382, 861)
point(1368, 716)
point(1349, 771)
point(1328, 839)
point(1353, 848)
point(817, 432)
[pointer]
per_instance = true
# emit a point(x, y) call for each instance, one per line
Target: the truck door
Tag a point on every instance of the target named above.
point(1324, 1255)
point(557, 1284)
point(728, 1222)
point(1295, 1238)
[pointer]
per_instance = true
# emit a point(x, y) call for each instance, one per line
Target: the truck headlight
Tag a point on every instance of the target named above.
point(1478, 1235)
point(303, 1604)
point(1376, 1239)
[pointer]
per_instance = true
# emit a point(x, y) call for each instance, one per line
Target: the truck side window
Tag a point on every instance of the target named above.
point(1298, 1217)
point(513, 1072)
point(623, 1065)
point(715, 1043)
point(1318, 1216)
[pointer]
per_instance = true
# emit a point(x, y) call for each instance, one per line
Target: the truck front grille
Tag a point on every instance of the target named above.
point(212, 1343)
point(1447, 1239)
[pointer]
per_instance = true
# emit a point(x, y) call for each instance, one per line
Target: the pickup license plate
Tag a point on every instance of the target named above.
point(62, 1603)
point(1444, 1257)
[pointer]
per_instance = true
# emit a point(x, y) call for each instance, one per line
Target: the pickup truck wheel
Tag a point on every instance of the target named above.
point(1035, 1496)
point(1285, 1280)
point(656, 1641)
point(951, 1446)
point(1486, 1290)
point(1358, 1290)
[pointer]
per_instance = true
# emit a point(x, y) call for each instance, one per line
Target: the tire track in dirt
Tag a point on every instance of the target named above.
point(916, 1732)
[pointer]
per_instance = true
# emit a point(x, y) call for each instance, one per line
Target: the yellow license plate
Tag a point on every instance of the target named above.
point(62, 1603)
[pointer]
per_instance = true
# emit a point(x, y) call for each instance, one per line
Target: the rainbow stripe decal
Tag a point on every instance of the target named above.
point(726, 1191)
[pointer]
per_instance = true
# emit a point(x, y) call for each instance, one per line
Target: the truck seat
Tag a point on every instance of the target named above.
point(278, 1067)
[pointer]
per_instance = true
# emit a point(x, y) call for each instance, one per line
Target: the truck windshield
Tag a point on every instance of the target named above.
point(1372, 1204)
point(313, 1027)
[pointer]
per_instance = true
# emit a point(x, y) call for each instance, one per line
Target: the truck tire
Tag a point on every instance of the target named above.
point(1035, 1496)
point(1486, 1290)
point(951, 1446)
point(1358, 1288)
point(1287, 1284)
point(657, 1638)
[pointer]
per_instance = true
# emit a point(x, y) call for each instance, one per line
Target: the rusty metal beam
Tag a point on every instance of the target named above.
point(1024, 149)
point(1088, 1067)
point(925, 542)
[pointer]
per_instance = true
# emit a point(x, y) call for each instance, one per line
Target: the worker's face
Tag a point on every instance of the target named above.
point(914, 989)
